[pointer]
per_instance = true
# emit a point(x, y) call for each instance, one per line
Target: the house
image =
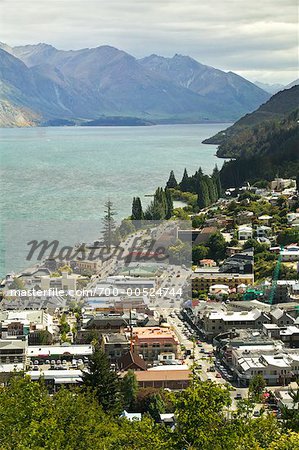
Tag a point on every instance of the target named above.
point(131, 416)
point(219, 290)
point(290, 253)
point(263, 231)
point(131, 361)
point(279, 184)
point(244, 233)
point(281, 317)
point(207, 263)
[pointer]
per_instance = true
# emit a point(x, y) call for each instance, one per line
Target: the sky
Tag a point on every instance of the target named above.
point(255, 38)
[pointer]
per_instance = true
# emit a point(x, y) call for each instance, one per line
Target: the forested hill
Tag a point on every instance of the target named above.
point(278, 107)
point(262, 152)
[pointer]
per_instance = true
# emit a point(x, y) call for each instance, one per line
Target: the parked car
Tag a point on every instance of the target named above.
point(48, 361)
point(36, 363)
point(256, 413)
point(238, 396)
point(218, 375)
point(35, 368)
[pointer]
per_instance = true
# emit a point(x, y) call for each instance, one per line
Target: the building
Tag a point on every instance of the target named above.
point(93, 326)
point(115, 345)
point(42, 353)
point(26, 322)
point(216, 322)
point(165, 377)
point(290, 253)
point(86, 266)
point(149, 342)
point(203, 278)
point(279, 184)
point(131, 361)
point(55, 379)
point(277, 366)
point(13, 352)
point(263, 231)
point(241, 262)
point(289, 334)
point(245, 233)
point(65, 282)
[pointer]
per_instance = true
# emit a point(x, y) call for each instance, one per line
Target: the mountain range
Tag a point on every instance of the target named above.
point(40, 84)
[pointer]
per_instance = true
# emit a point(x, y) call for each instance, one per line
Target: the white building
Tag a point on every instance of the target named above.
point(244, 233)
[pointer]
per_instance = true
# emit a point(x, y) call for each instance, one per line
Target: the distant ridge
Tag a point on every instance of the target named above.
point(88, 84)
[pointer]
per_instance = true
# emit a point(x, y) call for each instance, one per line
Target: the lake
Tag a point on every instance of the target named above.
point(66, 174)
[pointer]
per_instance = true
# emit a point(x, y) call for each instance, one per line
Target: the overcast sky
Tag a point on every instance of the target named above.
point(255, 38)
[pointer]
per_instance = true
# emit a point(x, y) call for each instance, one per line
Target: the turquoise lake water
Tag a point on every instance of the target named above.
point(64, 175)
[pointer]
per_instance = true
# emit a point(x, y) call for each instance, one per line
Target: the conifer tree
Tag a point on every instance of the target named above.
point(169, 204)
point(203, 199)
point(172, 182)
point(109, 224)
point(184, 184)
point(103, 381)
point(216, 177)
point(137, 213)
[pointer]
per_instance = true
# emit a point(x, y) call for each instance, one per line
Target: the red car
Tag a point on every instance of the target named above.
point(218, 375)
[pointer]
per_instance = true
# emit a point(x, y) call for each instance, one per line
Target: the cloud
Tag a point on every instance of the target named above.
point(257, 37)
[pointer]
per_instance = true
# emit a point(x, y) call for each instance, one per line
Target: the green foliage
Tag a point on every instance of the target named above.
point(217, 246)
point(180, 253)
point(288, 236)
point(172, 182)
point(73, 419)
point(256, 386)
point(102, 381)
point(161, 207)
point(199, 409)
point(137, 212)
point(129, 390)
point(262, 152)
point(199, 252)
point(109, 225)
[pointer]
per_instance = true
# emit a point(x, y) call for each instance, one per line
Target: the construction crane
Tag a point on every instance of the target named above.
point(275, 278)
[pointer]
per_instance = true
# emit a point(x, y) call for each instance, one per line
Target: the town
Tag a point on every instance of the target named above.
point(227, 313)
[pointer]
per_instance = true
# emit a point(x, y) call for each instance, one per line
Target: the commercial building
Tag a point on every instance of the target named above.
point(149, 342)
point(202, 279)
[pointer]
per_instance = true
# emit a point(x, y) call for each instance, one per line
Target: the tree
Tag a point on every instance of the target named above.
point(216, 178)
point(199, 252)
point(129, 389)
point(199, 415)
point(217, 246)
point(185, 183)
point(203, 199)
point(172, 182)
point(169, 204)
point(256, 386)
point(137, 213)
point(288, 236)
point(156, 407)
point(109, 224)
point(103, 381)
